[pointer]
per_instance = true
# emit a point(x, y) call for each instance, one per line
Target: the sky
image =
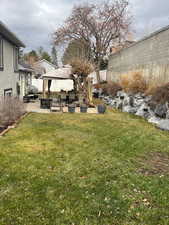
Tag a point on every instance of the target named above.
point(34, 21)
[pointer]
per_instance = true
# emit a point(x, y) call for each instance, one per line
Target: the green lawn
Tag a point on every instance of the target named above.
point(75, 169)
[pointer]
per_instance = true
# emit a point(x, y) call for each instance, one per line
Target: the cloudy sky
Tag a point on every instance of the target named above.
point(35, 20)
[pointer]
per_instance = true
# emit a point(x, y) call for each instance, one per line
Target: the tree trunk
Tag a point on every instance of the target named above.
point(98, 72)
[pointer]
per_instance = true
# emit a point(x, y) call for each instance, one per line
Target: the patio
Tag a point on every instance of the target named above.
point(74, 100)
point(35, 107)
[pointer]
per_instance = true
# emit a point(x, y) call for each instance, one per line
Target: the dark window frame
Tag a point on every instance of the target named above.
point(15, 58)
point(7, 91)
point(1, 54)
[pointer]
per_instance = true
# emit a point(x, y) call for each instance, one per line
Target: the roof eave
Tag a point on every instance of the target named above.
point(10, 36)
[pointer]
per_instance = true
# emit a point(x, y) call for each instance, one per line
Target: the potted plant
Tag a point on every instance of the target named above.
point(83, 108)
point(101, 109)
point(71, 108)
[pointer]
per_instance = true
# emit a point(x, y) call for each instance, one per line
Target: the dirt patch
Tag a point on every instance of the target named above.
point(156, 163)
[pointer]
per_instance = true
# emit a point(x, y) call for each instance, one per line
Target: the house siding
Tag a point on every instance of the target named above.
point(8, 78)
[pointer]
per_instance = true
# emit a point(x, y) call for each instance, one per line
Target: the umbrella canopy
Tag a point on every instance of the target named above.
point(59, 74)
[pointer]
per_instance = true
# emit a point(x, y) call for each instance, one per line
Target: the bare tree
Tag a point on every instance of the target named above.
point(98, 25)
point(81, 68)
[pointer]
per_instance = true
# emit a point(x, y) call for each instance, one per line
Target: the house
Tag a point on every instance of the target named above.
point(25, 78)
point(103, 76)
point(9, 65)
point(43, 67)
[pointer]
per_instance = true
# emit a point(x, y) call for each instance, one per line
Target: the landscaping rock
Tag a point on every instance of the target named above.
point(121, 94)
point(143, 106)
point(167, 114)
point(154, 120)
point(119, 106)
point(144, 111)
point(161, 110)
point(129, 109)
point(163, 124)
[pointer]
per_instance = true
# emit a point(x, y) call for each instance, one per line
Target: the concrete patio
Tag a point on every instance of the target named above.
point(35, 107)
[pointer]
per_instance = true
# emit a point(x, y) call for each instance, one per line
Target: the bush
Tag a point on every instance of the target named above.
point(151, 89)
point(111, 88)
point(81, 67)
point(32, 89)
point(10, 110)
point(161, 94)
point(133, 83)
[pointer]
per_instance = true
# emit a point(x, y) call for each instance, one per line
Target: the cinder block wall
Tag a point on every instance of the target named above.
point(149, 56)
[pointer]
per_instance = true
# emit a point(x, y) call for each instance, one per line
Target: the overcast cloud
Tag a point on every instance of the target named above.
point(34, 20)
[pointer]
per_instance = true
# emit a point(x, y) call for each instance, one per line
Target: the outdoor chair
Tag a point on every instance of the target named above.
point(56, 105)
point(63, 98)
point(72, 97)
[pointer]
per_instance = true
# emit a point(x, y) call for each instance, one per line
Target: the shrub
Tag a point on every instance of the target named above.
point(81, 67)
point(161, 94)
point(10, 110)
point(134, 83)
point(111, 88)
point(151, 89)
point(32, 89)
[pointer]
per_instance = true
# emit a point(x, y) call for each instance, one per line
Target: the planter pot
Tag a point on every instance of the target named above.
point(71, 108)
point(45, 103)
point(83, 108)
point(101, 109)
point(26, 99)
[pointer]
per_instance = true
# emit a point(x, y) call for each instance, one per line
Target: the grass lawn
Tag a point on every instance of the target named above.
point(75, 169)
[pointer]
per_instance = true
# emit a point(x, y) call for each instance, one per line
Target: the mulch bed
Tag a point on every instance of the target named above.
point(156, 163)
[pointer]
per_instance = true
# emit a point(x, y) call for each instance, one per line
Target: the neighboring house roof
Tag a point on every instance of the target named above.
point(44, 60)
point(60, 73)
point(39, 70)
point(25, 67)
point(10, 36)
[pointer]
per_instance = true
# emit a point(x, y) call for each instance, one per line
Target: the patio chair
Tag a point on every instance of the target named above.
point(56, 105)
point(63, 98)
point(72, 97)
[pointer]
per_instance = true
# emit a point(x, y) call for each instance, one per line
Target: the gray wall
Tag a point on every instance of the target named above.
point(150, 56)
point(8, 78)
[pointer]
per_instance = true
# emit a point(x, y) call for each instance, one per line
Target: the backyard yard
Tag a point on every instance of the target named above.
point(84, 169)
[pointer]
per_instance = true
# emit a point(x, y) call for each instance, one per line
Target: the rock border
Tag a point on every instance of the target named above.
point(141, 105)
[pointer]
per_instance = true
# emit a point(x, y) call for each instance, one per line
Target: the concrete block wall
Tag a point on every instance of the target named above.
point(150, 56)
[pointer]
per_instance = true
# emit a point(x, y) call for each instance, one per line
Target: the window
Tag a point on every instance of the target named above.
point(15, 58)
point(1, 54)
point(8, 92)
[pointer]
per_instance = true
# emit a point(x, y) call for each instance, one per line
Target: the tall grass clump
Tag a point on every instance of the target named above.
point(161, 94)
point(111, 88)
point(133, 83)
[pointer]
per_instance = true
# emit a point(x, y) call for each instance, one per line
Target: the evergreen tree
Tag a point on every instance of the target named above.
point(45, 55)
point(54, 56)
point(76, 49)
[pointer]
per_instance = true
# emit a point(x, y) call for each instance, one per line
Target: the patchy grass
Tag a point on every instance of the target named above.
point(65, 169)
